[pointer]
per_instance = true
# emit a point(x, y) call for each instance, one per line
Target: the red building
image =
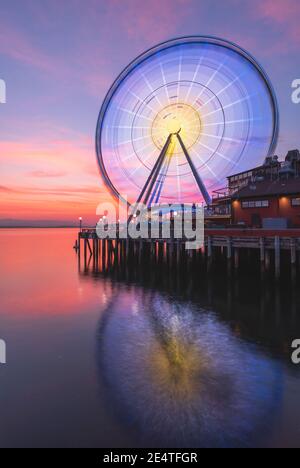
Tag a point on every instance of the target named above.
point(266, 196)
point(267, 204)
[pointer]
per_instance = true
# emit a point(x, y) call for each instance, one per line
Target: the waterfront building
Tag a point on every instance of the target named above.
point(267, 196)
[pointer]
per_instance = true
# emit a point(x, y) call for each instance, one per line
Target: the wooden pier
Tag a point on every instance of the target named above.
point(237, 246)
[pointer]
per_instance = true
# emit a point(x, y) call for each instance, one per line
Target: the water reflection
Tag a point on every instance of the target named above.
point(168, 372)
point(179, 376)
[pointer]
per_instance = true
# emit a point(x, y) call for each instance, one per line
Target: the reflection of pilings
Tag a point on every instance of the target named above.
point(229, 296)
point(236, 285)
point(262, 303)
point(277, 306)
point(210, 289)
point(294, 292)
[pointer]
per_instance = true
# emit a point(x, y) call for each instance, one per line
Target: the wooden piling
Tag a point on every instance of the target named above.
point(103, 251)
point(229, 248)
point(178, 252)
point(140, 250)
point(79, 243)
point(267, 260)
point(85, 249)
point(293, 252)
point(89, 247)
point(236, 258)
point(262, 249)
point(209, 247)
point(277, 257)
point(127, 247)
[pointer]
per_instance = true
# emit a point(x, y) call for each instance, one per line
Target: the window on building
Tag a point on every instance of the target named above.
point(295, 201)
point(256, 204)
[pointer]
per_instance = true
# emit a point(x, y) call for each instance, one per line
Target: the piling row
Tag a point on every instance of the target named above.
point(118, 252)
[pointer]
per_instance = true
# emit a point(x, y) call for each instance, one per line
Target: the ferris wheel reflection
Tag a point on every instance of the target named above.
point(179, 377)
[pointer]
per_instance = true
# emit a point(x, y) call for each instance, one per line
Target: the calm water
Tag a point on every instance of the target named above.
point(141, 359)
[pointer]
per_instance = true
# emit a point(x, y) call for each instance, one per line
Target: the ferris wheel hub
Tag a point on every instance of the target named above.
point(174, 119)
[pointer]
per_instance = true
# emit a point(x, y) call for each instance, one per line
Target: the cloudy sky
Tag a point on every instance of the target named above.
point(59, 57)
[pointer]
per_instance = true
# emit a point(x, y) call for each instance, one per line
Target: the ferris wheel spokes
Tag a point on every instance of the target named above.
point(156, 177)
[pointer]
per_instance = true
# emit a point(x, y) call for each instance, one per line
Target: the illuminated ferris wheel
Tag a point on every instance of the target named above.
point(181, 118)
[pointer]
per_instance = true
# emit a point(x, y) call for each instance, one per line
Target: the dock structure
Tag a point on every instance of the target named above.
point(236, 246)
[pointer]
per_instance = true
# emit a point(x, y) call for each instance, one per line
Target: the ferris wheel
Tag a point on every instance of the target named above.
point(181, 118)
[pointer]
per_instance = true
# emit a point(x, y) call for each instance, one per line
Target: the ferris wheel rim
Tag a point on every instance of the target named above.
point(180, 40)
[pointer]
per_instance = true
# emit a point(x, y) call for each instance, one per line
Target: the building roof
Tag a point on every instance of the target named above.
point(269, 188)
point(272, 162)
point(257, 169)
point(248, 170)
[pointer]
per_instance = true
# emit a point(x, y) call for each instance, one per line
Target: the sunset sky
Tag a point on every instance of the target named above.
point(58, 59)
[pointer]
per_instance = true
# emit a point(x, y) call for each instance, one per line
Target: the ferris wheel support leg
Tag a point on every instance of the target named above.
point(198, 179)
point(155, 175)
point(152, 177)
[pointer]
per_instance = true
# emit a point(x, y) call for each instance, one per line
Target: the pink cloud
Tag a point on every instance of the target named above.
point(156, 20)
point(71, 182)
point(90, 62)
point(284, 16)
point(45, 174)
point(70, 157)
point(16, 45)
point(281, 11)
point(55, 190)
